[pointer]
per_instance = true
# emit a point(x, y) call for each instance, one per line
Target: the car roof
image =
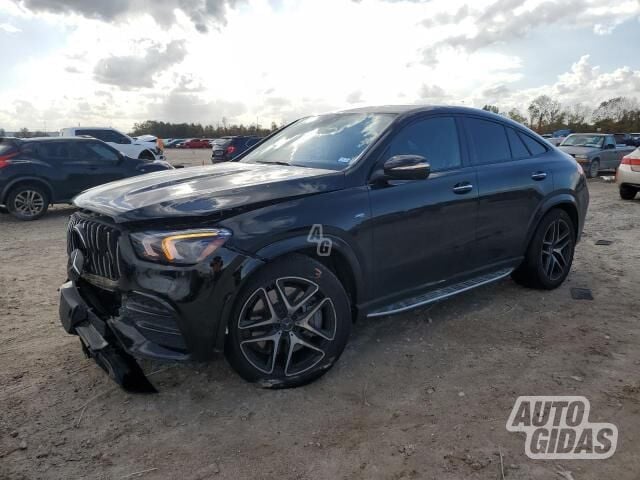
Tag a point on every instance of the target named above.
point(58, 139)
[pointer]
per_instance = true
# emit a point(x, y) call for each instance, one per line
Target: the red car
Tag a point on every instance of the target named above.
point(196, 143)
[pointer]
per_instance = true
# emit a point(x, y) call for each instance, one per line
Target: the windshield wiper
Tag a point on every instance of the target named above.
point(277, 162)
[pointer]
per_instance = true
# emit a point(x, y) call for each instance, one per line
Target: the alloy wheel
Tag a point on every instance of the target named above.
point(286, 328)
point(556, 249)
point(29, 203)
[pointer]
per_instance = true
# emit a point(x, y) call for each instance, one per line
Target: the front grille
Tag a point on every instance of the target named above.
point(98, 242)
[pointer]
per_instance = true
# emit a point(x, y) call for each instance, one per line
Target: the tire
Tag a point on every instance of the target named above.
point(594, 168)
point(549, 256)
point(28, 202)
point(308, 332)
point(627, 192)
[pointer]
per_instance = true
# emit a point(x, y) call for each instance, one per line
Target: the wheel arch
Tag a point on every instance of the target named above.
point(342, 262)
point(564, 202)
point(28, 181)
point(146, 153)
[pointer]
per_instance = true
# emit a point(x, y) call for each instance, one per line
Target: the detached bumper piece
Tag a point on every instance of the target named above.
point(77, 318)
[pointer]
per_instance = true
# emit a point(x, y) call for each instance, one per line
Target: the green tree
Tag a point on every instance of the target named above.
point(515, 115)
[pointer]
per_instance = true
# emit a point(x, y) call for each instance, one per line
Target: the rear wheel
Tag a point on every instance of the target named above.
point(28, 202)
point(290, 324)
point(627, 192)
point(550, 254)
point(594, 168)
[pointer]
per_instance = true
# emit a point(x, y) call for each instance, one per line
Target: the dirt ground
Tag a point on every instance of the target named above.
point(420, 395)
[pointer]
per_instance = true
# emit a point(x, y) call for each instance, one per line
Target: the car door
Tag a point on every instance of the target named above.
point(100, 161)
point(610, 153)
point(424, 229)
point(68, 175)
point(515, 173)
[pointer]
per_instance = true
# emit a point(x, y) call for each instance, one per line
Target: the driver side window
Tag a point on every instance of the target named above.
point(434, 138)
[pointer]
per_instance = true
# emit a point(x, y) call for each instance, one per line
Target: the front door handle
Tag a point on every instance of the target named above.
point(461, 188)
point(539, 175)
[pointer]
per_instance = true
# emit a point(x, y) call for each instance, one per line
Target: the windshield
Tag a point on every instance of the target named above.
point(332, 141)
point(583, 141)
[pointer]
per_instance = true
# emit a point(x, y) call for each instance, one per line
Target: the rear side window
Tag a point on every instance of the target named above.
point(54, 151)
point(435, 139)
point(518, 148)
point(489, 140)
point(534, 146)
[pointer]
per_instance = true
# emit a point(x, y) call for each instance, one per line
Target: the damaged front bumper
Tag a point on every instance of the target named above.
point(79, 319)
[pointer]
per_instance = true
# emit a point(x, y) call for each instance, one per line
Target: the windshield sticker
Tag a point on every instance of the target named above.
point(344, 160)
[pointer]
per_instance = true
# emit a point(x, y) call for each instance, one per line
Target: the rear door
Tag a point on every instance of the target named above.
point(515, 173)
point(425, 229)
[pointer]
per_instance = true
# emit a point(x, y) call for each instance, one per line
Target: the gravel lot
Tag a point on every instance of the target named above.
point(420, 395)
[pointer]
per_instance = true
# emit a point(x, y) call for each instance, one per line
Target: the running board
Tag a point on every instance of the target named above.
point(441, 293)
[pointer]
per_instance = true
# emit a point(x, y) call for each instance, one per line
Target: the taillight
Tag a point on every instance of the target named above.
point(4, 159)
point(630, 161)
point(230, 149)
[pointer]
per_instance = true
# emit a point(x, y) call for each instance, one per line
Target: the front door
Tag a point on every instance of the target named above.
point(425, 229)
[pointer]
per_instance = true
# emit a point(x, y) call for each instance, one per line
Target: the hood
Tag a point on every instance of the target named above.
point(577, 150)
point(202, 191)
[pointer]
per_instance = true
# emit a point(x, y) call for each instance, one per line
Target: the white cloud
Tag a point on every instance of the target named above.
point(121, 63)
point(8, 28)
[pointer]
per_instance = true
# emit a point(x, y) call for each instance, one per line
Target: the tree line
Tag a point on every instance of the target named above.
point(197, 130)
point(546, 115)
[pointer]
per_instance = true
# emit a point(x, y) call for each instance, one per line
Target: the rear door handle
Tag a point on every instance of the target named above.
point(539, 175)
point(461, 188)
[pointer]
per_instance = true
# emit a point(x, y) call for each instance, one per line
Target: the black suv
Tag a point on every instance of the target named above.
point(362, 213)
point(37, 172)
point(227, 148)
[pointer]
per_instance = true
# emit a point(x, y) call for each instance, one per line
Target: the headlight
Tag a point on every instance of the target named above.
point(581, 156)
point(183, 247)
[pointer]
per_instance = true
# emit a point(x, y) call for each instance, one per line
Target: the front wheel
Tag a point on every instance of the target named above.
point(594, 168)
point(627, 192)
point(290, 324)
point(146, 155)
point(550, 254)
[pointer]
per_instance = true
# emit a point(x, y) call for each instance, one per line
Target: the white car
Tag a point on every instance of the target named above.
point(628, 175)
point(118, 140)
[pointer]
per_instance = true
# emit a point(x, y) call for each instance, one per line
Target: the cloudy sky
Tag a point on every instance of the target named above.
point(116, 62)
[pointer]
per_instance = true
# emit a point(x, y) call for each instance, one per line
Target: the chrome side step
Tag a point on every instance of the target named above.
point(440, 294)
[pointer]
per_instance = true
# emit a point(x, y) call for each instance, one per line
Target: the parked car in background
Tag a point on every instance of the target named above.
point(367, 212)
point(626, 139)
point(594, 151)
point(38, 172)
point(555, 141)
point(195, 143)
point(174, 142)
point(628, 175)
point(636, 137)
point(121, 142)
point(562, 133)
point(227, 148)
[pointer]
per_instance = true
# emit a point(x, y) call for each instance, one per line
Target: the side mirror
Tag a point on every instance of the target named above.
point(407, 167)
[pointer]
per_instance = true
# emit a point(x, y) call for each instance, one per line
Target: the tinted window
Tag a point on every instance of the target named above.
point(332, 141)
point(54, 150)
point(94, 152)
point(534, 146)
point(489, 139)
point(435, 139)
point(518, 148)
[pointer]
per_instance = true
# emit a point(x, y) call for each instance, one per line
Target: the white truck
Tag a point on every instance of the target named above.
point(118, 140)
